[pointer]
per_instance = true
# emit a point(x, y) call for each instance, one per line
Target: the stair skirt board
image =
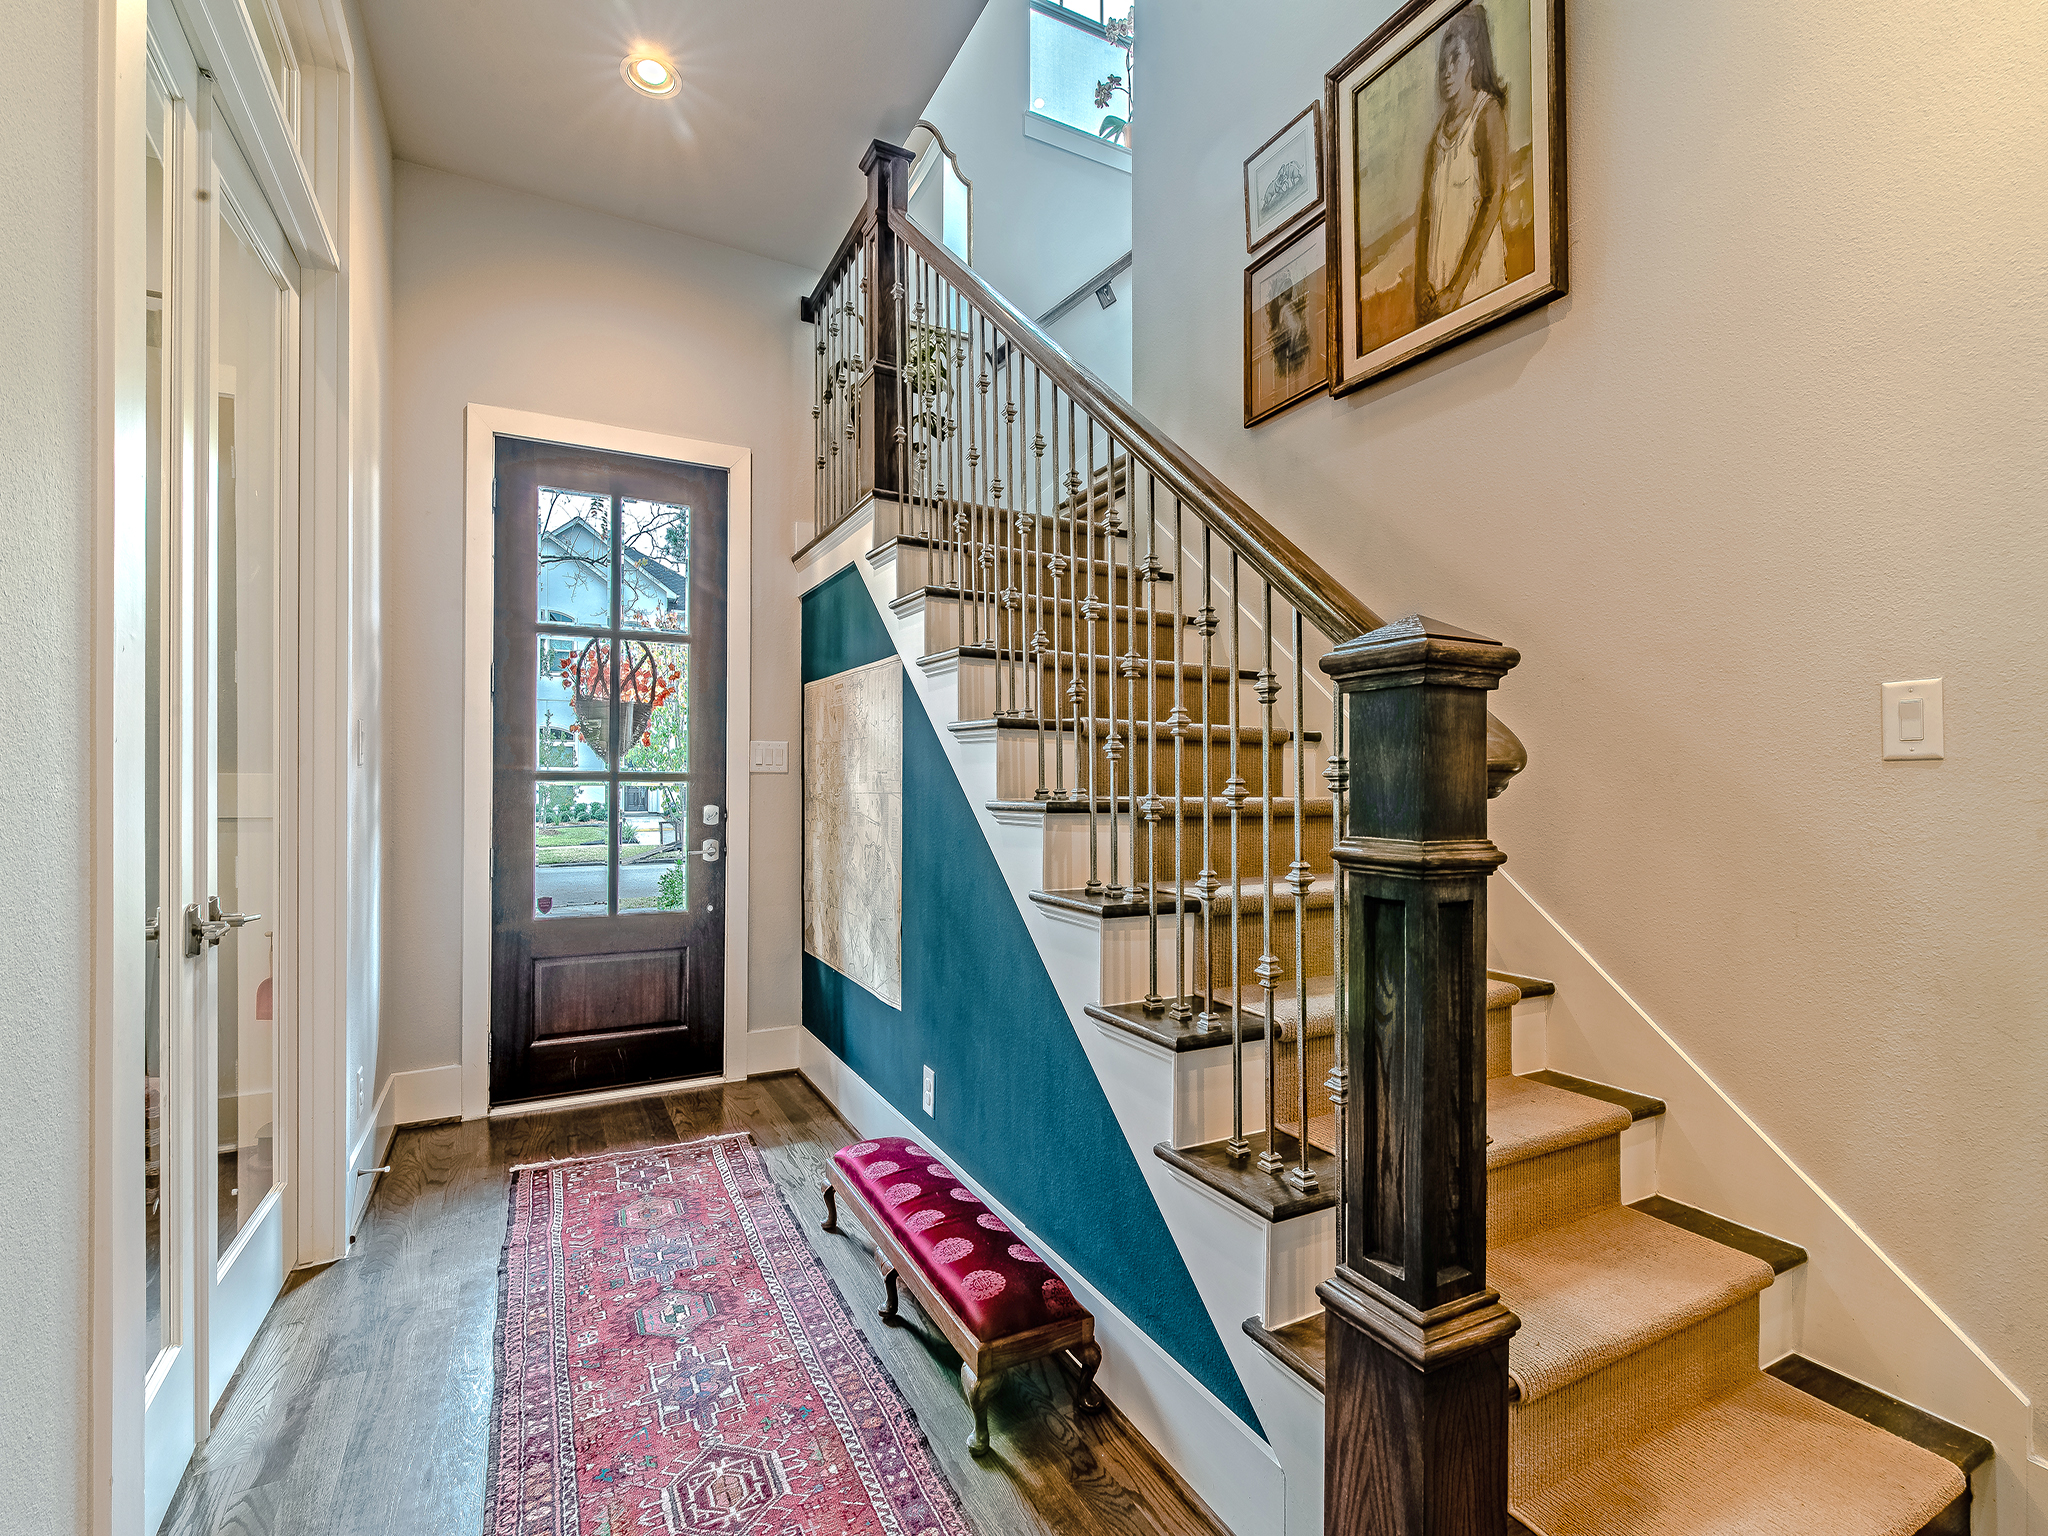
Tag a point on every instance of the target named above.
point(1226, 1466)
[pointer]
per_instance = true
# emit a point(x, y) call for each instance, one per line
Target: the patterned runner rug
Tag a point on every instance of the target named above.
point(673, 1358)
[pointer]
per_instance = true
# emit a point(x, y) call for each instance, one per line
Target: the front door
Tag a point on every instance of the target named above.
point(608, 814)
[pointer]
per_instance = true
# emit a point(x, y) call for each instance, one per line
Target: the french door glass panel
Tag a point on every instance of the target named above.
point(248, 483)
point(159, 936)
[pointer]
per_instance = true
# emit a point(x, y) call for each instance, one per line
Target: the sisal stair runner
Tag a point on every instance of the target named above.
point(1639, 1406)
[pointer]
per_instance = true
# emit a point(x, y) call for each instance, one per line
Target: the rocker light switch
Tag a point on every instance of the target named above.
point(1912, 720)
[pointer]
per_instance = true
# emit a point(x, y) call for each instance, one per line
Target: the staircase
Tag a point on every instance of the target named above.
point(1132, 668)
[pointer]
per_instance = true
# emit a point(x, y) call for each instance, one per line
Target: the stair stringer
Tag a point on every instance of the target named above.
point(1285, 1471)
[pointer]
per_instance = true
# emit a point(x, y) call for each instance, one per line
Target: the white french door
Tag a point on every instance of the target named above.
point(221, 521)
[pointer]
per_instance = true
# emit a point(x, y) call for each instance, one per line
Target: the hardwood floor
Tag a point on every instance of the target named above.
point(363, 1407)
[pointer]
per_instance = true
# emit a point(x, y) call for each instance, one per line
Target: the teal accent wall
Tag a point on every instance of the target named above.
point(1018, 1106)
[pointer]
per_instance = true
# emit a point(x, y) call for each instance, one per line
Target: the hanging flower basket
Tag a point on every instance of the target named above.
point(647, 685)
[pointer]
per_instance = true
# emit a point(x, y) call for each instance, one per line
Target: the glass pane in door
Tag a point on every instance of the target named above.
point(247, 425)
point(156, 486)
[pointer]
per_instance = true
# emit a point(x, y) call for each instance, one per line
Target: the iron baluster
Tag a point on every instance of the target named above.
point(1268, 968)
point(1152, 805)
point(1206, 885)
point(1233, 796)
point(1178, 723)
point(1298, 881)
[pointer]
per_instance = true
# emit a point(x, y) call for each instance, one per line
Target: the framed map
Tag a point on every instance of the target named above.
point(853, 825)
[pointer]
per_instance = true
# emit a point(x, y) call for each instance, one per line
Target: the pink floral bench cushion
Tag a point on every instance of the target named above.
point(993, 1283)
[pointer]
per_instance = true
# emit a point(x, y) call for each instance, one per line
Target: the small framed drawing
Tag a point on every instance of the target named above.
point(1286, 325)
point(1447, 196)
point(1283, 180)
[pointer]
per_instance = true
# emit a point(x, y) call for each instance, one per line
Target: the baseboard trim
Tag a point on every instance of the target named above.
point(430, 1093)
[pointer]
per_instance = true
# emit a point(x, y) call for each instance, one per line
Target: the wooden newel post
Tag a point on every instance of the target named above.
point(1416, 1415)
point(887, 168)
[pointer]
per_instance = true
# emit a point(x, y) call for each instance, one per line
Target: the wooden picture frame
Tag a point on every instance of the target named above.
point(1449, 118)
point(1276, 206)
point(1286, 324)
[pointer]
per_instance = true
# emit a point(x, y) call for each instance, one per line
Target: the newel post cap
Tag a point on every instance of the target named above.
point(892, 161)
point(1420, 650)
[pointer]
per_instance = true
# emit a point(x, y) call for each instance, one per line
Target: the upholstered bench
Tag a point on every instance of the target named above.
point(994, 1299)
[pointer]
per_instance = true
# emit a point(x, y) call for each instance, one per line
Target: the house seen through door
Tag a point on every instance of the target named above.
point(608, 809)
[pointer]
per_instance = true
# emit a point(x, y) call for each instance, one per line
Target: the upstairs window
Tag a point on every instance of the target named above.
point(1080, 55)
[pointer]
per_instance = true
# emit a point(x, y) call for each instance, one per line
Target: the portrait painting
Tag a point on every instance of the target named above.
point(1449, 196)
point(1286, 325)
point(1283, 180)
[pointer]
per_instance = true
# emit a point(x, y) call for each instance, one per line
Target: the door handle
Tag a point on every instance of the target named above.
point(709, 851)
point(200, 931)
point(154, 928)
point(212, 928)
point(232, 919)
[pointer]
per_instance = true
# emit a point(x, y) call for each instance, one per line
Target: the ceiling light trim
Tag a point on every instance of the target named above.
point(629, 72)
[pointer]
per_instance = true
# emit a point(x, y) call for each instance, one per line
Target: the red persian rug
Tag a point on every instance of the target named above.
point(672, 1358)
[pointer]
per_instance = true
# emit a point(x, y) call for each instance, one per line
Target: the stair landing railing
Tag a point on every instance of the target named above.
point(1187, 674)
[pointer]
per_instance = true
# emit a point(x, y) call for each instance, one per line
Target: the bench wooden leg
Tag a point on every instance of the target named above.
point(1086, 1396)
point(831, 1206)
point(978, 1390)
point(888, 1310)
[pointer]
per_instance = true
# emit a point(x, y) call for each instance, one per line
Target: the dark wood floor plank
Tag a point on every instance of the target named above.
point(364, 1408)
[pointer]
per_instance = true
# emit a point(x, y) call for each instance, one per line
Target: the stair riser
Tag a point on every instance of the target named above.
point(1017, 767)
point(954, 621)
point(1632, 1398)
point(1318, 931)
point(918, 565)
point(1552, 1189)
point(989, 687)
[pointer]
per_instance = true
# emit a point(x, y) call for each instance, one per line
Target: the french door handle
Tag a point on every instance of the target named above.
point(200, 932)
point(231, 919)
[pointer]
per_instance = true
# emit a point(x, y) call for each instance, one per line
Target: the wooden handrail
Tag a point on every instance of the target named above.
point(1306, 585)
point(808, 308)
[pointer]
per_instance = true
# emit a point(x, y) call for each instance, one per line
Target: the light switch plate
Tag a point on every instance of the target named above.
point(771, 757)
point(1899, 742)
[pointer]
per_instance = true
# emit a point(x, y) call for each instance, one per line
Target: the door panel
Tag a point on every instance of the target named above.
point(608, 922)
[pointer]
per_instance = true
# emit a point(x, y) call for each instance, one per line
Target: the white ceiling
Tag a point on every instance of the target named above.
point(760, 149)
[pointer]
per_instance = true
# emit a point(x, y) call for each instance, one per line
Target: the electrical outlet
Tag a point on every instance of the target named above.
point(362, 1092)
point(929, 1082)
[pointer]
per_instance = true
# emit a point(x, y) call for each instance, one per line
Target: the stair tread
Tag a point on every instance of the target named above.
point(1240, 1179)
point(1526, 1119)
point(1607, 1284)
point(1761, 1460)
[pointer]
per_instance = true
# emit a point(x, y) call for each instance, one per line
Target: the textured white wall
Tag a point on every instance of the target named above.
point(1786, 439)
point(504, 298)
point(47, 180)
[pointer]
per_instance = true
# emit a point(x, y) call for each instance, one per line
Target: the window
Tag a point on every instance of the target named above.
point(1077, 48)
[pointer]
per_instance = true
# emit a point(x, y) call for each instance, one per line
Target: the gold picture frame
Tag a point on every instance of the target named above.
point(1447, 197)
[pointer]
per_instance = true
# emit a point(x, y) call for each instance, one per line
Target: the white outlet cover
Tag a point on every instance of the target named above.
point(1927, 693)
point(930, 1081)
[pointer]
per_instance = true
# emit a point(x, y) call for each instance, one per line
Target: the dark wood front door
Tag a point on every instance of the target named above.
point(608, 816)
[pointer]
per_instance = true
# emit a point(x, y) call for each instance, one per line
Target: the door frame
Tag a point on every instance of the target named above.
point(482, 426)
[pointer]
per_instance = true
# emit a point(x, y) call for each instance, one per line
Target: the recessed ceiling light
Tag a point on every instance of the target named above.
point(649, 75)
